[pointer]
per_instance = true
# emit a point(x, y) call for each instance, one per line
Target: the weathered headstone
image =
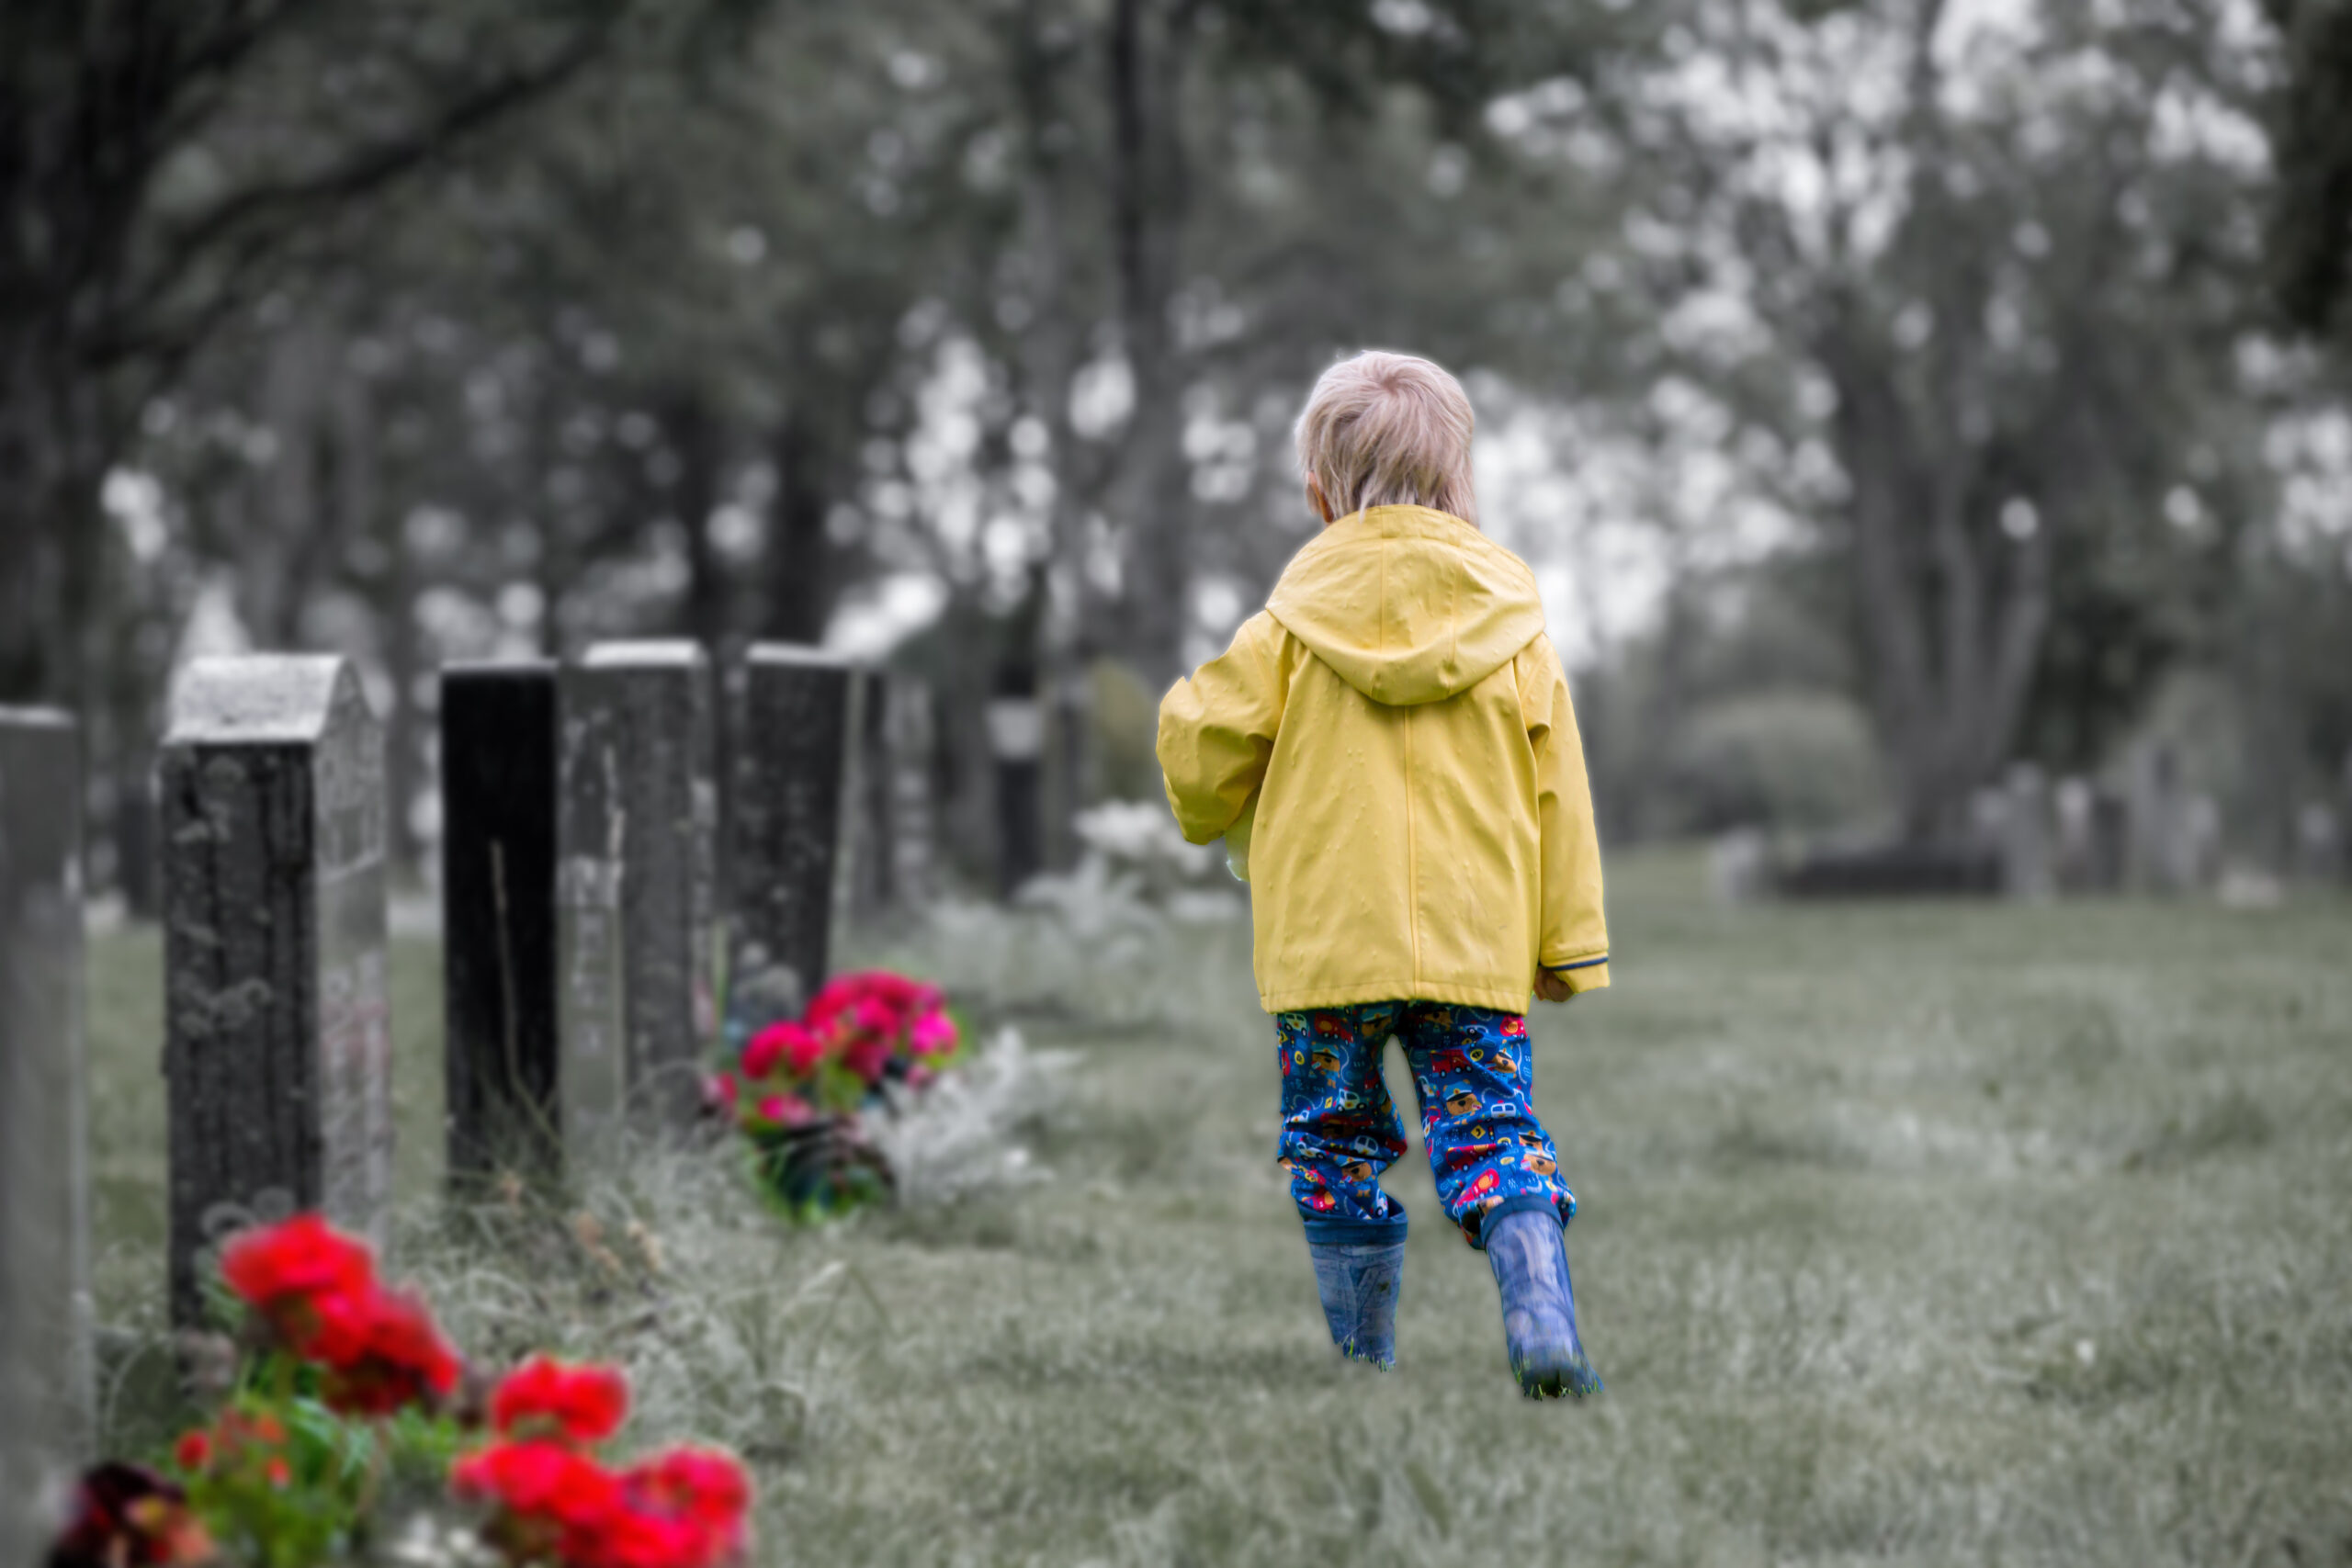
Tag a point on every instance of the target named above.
point(2073, 852)
point(278, 1040)
point(786, 810)
point(636, 829)
point(2026, 863)
point(2157, 807)
point(1740, 866)
point(913, 746)
point(2110, 840)
point(2319, 844)
point(2196, 847)
point(45, 1393)
point(889, 841)
point(1016, 722)
point(870, 841)
point(499, 784)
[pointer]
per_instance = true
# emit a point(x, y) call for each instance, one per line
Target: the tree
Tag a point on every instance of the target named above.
point(1990, 289)
point(150, 193)
point(2311, 218)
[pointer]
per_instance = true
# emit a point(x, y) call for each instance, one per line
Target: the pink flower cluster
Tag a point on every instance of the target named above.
point(859, 1030)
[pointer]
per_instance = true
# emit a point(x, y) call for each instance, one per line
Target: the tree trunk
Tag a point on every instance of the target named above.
point(1952, 610)
point(693, 434)
point(52, 528)
point(800, 564)
point(1148, 213)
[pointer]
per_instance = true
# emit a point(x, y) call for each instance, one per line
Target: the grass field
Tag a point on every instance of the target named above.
point(1928, 1234)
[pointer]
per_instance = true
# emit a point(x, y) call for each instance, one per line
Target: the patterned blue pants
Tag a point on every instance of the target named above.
point(1474, 1074)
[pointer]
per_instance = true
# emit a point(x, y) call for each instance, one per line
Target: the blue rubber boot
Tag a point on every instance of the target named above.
point(1359, 1282)
point(1531, 1264)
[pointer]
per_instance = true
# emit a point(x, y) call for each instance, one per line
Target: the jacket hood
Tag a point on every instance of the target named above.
point(1408, 604)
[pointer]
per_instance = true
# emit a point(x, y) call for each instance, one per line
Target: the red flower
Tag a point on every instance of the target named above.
point(701, 1489)
point(544, 1398)
point(298, 1276)
point(721, 1091)
point(634, 1539)
point(537, 1477)
point(390, 1355)
point(193, 1451)
point(866, 1058)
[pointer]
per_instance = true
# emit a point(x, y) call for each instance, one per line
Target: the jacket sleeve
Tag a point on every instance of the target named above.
point(1575, 943)
point(1216, 730)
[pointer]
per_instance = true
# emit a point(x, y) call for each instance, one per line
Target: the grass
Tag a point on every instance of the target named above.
point(1920, 1234)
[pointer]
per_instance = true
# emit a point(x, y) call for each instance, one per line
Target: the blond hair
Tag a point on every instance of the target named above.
point(1388, 429)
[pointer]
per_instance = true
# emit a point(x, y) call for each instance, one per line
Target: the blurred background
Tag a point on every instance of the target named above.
point(1884, 393)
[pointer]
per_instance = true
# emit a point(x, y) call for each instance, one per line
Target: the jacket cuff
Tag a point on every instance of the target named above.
point(1590, 974)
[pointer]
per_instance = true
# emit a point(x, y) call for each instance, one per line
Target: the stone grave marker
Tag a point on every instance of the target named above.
point(2027, 861)
point(1016, 722)
point(889, 843)
point(2111, 833)
point(499, 793)
point(45, 1375)
point(785, 819)
point(912, 738)
point(635, 831)
point(278, 1040)
point(869, 844)
point(2157, 821)
point(2072, 850)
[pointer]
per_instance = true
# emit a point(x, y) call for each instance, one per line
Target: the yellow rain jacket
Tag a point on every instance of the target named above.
point(1391, 738)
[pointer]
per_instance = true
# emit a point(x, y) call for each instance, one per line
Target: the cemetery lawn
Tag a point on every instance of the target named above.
point(1910, 1233)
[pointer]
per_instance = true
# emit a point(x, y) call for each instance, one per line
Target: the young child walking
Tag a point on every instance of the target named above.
point(1388, 751)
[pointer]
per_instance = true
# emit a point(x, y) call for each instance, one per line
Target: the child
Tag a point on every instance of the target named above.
point(1389, 750)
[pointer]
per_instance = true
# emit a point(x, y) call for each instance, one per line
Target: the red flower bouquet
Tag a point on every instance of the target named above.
point(353, 1388)
point(798, 1085)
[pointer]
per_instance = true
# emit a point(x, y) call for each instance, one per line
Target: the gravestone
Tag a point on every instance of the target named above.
point(785, 819)
point(2028, 868)
point(2157, 807)
point(499, 787)
point(913, 749)
point(2319, 844)
point(636, 829)
point(278, 1040)
point(2072, 852)
point(870, 843)
point(1740, 866)
point(1016, 722)
point(45, 1382)
point(889, 844)
point(2110, 840)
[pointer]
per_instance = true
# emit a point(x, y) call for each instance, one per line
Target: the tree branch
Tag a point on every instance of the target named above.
point(250, 211)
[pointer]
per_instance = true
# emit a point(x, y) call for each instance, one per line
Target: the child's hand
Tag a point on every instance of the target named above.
point(1552, 988)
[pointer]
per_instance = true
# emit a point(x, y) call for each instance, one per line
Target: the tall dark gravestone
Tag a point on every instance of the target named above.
point(499, 794)
point(636, 830)
point(277, 1037)
point(870, 839)
point(1017, 740)
point(790, 757)
point(45, 1384)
